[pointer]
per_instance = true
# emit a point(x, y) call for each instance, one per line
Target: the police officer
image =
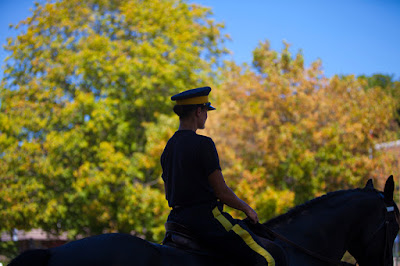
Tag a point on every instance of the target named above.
point(196, 190)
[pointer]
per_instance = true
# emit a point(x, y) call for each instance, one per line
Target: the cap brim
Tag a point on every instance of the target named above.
point(210, 107)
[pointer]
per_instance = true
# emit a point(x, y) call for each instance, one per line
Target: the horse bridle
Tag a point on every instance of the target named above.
point(384, 224)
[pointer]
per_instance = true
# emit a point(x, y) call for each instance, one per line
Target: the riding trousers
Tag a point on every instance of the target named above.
point(230, 237)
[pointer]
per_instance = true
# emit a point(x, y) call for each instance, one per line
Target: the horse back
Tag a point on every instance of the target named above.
point(115, 249)
point(34, 257)
point(106, 249)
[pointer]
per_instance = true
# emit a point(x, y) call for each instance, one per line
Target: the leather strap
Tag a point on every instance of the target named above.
point(304, 250)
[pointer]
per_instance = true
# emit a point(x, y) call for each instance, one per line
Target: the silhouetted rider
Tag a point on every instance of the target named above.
point(196, 190)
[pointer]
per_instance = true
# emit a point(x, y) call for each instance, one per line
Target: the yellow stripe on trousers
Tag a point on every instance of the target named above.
point(247, 238)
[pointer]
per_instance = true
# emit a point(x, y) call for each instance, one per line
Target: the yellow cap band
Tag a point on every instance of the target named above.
point(194, 100)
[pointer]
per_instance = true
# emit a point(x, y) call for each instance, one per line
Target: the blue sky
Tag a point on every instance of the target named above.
point(350, 37)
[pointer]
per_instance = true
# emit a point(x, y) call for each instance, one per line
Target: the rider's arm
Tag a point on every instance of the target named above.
point(228, 197)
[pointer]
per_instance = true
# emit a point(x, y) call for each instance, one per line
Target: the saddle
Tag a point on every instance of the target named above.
point(179, 236)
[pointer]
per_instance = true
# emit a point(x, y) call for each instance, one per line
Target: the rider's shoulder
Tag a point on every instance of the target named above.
point(206, 139)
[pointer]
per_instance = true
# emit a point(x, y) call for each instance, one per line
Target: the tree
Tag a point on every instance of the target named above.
point(83, 85)
point(390, 159)
point(388, 85)
point(286, 127)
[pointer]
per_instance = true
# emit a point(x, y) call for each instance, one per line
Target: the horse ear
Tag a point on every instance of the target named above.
point(369, 185)
point(389, 188)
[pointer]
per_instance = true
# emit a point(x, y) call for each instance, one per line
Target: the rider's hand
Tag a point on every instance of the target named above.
point(252, 215)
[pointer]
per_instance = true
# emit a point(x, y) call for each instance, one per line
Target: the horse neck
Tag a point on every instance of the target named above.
point(326, 224)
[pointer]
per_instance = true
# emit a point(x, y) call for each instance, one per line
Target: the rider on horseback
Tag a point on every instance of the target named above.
point(195, 187)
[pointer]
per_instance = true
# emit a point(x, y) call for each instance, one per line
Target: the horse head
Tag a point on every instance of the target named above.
point(373, 244)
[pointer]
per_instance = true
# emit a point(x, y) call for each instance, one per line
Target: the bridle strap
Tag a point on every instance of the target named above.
point(376, 231)
point(385, 225)
point(329, 260)
point(304, 250)
point(386, 241)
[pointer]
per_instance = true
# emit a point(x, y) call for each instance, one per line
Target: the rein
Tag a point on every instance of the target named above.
point(302, 249)
point(384, 224)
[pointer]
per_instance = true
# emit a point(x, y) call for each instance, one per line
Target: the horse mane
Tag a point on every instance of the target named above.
point(299, 208)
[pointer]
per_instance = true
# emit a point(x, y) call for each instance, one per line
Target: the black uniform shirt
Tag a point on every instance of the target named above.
point(187, 161)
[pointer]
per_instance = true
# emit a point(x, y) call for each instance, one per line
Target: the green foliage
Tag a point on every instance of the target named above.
point(8, 250)
point(84, 86)
point(85, 115)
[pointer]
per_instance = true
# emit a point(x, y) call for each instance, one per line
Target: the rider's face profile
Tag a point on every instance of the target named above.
point(202, 118)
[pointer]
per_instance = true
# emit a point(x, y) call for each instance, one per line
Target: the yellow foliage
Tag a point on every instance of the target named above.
point(285, 127)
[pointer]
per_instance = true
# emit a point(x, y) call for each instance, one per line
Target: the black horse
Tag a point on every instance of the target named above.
point(363, 221)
